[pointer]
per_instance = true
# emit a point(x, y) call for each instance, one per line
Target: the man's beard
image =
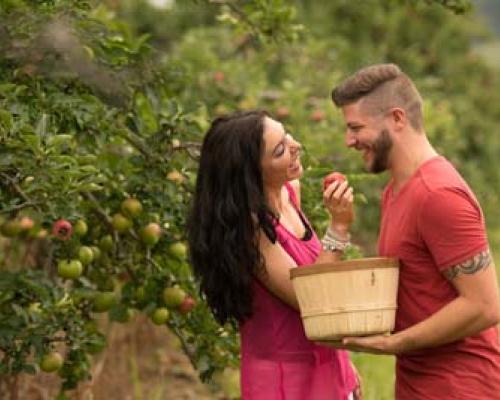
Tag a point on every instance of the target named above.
point(380, 149)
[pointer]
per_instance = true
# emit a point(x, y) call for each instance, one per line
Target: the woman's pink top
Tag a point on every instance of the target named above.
point(278, 362)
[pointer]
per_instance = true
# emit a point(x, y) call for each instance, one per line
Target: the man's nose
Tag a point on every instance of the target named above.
point(350, 140)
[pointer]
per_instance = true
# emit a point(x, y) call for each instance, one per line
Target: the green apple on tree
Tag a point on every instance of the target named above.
point(140, 294)
point(131, 207)
point(69, 269)
point(51, 362)
point(11, 228)
point(229, 382)
point(85, 255)
point(178, 250)
point(96, 252)
point(80, 228)
point(160, 316)
point(173, 296)
point(103, 301)
point(106, 243)
point(121, 223)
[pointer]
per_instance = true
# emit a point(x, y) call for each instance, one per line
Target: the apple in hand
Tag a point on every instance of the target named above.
point(330, 178)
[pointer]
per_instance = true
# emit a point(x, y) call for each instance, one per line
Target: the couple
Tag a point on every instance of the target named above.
point(246, 231)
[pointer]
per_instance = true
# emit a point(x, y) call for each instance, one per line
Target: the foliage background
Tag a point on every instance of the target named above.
point(102, 100)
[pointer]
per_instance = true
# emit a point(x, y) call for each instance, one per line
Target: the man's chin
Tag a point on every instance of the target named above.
point(374, 169)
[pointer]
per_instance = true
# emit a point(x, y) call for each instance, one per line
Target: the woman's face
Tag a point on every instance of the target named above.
point(281, 158)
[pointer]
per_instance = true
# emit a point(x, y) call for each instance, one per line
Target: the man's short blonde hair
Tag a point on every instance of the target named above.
point(381, 87)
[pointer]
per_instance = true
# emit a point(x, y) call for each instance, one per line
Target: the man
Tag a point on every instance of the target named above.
point(446, 337)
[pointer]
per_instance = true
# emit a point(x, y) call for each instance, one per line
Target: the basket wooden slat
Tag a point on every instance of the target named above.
point(347, 298)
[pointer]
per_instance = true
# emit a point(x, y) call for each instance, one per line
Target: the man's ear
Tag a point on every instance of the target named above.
point(397, 118)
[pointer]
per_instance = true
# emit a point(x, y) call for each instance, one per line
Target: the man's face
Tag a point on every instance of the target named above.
point(369, 135)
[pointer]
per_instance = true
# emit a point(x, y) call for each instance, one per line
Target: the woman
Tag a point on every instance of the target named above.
point(246, 231)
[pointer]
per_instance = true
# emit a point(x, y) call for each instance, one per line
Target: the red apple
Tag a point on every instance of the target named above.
point(334, 176)
point(26, 223)
point(318, 115)
point(282, 113)
point(219, 76)
point(187, 304)
point(150, 234)
point(62, 229)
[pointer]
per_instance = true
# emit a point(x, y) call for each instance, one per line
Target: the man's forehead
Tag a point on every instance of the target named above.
point(353, 113)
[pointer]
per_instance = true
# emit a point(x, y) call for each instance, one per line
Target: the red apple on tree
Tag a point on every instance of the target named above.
point(282, 113)
point(151, 233)
point(219, 76)
point(62, 229)
point(26, 223)
point(187, 304)
point(318, 115)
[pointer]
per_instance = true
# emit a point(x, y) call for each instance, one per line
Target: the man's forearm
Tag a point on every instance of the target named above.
point(457, 320)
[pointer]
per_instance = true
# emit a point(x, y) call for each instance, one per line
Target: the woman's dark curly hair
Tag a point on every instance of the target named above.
point(229, 208)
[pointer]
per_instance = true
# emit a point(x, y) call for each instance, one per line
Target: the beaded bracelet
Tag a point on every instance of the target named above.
point(332, 242)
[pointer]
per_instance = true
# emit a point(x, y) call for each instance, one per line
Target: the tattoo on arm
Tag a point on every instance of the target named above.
point(478, 262)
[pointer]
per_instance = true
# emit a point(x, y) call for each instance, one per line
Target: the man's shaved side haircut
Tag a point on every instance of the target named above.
point(380, 88)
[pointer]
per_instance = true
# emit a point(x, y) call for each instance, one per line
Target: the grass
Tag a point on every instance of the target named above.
point(377, 375)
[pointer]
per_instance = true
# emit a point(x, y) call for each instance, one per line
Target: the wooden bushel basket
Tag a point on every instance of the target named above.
point(347, 298)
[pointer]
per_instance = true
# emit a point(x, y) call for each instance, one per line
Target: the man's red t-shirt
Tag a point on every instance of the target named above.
point(431, 224)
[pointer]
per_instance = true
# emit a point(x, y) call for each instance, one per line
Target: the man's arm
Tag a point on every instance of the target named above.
point(476, 308)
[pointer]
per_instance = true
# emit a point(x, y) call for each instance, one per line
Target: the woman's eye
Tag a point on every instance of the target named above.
point(280, 151)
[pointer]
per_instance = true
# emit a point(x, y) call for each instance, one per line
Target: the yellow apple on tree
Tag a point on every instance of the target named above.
point(51, 362)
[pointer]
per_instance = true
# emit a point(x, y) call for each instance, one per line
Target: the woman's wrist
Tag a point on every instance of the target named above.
point(341, 231)
point(335, 240)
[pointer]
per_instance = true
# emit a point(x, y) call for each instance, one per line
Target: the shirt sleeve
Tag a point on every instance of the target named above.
point(452, 226)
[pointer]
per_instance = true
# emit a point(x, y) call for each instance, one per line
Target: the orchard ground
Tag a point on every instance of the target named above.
point(142, 362)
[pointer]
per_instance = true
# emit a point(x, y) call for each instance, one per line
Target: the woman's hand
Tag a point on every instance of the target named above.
point(338, 199)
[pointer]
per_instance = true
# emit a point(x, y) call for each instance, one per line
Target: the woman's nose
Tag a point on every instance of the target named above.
point(294, 145)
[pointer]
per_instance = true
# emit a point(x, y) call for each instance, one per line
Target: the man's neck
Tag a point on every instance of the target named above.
point(408, 158)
